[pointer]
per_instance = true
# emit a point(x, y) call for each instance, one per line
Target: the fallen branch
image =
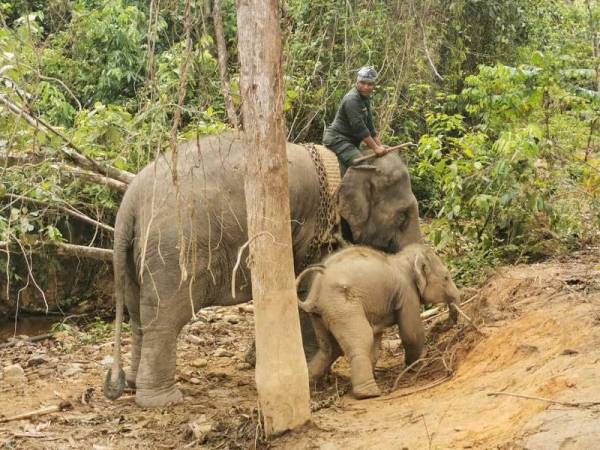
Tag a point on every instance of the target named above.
point(420, 389)
point(71, 150)
point(93, 176)
point(38, 338)
point(420, 360)
point(64, 249)
point(82, 251)
point(438, 310)
point(62, 406)
point(66, 210)
point(467, 318)
point(547, 400)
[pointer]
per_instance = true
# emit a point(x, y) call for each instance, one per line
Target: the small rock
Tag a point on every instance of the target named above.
point(222, 353)
point(200, 428)
point(37, 360)
point(45, 372)
point(392, 344)
point(14, 374)
point(246, 308)
point(194, 380)
point(569, 351)
point(217, 373)
point(231, 319)
point(199, 362)
point(107, 361)
point(195, 339)
point(243, 382)
point(328, 446)
point(72, 369)
point(243, 366)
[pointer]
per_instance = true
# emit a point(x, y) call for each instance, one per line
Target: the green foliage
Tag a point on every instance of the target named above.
point(507, 166)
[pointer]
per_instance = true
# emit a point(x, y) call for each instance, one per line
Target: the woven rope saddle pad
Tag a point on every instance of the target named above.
point(330, 162)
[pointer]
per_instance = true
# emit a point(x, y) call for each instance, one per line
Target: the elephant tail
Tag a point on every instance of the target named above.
point(308, 306)
point(125, 286)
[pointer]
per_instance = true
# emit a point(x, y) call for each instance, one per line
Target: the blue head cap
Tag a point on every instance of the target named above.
point(366, 73)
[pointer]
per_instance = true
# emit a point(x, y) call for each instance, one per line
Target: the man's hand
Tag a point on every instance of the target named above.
point(380, 150)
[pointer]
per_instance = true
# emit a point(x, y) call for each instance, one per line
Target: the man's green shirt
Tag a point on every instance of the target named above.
point(353, 119)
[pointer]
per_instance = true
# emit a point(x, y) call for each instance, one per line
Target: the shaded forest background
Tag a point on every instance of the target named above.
point(502, 98)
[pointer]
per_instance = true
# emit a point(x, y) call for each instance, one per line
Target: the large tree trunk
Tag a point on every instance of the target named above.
point(281, 372)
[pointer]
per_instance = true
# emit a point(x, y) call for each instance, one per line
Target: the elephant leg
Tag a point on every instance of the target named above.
point(136, 340)
point(411, 330)
point(309, 341)
point(161, 324)
point(136, 351)
point(355, 335)
point(376, 350)
point(327, 352)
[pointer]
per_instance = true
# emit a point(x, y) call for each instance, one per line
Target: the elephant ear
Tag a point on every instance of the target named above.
point(421, 272)
point(354, 199)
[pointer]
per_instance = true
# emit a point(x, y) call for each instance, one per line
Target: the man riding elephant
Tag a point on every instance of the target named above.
point(353, 122)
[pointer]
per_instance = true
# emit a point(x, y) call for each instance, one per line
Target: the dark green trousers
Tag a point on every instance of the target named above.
point(345, 150)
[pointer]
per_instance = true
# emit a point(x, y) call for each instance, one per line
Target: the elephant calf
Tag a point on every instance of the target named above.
point(359, 292)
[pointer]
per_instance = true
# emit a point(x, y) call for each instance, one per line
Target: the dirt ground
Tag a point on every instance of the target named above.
point(526, 376)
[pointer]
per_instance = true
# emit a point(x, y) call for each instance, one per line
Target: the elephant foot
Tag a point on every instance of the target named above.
point(366, 390)
point(157, 398)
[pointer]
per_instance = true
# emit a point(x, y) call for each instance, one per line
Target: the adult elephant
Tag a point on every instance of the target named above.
point(176, 243)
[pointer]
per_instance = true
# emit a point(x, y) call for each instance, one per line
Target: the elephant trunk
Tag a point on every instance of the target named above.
point(308, 306)
point(451, 300)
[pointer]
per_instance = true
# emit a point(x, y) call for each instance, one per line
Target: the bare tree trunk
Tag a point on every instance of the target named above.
point(222, 55)
point(281, 372)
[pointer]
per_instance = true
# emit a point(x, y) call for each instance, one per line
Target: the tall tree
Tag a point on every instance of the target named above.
point(222, 57)
point(281, 372)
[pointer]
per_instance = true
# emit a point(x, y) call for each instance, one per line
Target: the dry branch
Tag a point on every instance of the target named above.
point(70, 150)
point(82, 251)
point(419, 389)
point(64, 249)
point(66, 210)
point(547, 400)
point(63, 406)
point(222, 58)
point(93, 176)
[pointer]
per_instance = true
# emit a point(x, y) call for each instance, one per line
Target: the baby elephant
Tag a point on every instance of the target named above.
point(358, 292)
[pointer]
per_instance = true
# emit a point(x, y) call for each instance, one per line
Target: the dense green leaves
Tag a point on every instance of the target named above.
point(507, 166)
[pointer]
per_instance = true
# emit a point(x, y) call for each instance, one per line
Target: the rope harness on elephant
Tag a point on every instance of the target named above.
point(329, 177)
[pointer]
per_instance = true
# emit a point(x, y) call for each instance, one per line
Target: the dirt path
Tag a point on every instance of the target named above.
point(541, 338)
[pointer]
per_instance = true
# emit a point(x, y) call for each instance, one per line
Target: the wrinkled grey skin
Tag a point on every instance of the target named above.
point(359, 293)
point(159, 277)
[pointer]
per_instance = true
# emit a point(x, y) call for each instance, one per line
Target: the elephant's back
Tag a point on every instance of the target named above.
point(357, 265)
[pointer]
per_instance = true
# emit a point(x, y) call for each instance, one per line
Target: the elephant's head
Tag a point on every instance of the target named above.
point(378, 203)
point(433, 278)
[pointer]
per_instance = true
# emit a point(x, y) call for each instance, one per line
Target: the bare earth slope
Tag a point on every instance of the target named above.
point(537, 352)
